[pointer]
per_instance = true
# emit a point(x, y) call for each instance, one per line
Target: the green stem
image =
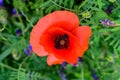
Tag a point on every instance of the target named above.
point(82, 71)
point(82, 4)
point(27, 18)
point(20, 67)
point(61, 6)
point(8, 67)
point(22, 27)
point(3, 28)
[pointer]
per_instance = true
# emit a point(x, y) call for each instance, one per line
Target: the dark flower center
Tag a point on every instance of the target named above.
point(62, 41)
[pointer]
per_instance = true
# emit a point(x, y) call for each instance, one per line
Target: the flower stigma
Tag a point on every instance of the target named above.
point(62, 41)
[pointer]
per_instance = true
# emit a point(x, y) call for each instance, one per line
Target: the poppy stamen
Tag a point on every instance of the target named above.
point(62, 42)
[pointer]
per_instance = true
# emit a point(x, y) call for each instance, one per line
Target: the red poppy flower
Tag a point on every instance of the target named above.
point(59, 36)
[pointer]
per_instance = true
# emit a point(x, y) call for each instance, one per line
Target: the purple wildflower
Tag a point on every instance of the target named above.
point(79, 59)
point(30, 47)
point(109, 9)
point(64, 65)
point(18, 32)
point(1, 3)
point(107, 22)
point(77, 64)
point(15, 13)
point(29, 50)
point(62, 75)
point(94, 75)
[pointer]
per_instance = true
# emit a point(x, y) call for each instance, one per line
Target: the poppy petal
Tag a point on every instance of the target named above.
point(83, 33)
point(37, 48)
point(70, 55)
point(40, 51)
point(68, 19)
point(51, 60)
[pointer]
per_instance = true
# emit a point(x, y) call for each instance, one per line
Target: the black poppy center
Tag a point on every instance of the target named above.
point(62, 41)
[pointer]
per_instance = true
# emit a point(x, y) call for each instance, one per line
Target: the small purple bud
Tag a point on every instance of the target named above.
point(62, 75)
point(107, 22)
point(79, 59)
point(111, 23)
point(75, 65)
point(18, 32)
point(64, 65)
point(1, 2)
point(102, 22)
point(94, 75)
point(29, 50)
point(14, 12)
point(109, 9)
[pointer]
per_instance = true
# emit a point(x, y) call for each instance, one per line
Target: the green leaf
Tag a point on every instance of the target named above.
point(100, 15)
point(107, 38)
point(65, 3)
point(45, 4)
point(5, 53)
point(60, 2)
point(115, 29)
point(99, 3)
point(71, 3)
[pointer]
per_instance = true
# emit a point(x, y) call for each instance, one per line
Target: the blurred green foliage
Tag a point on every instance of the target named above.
point(103, 55)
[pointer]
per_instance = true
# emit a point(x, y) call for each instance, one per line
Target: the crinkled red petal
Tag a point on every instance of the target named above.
point(63, 19)
point(52, 60)
point(70, 55)
point(83, 33)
